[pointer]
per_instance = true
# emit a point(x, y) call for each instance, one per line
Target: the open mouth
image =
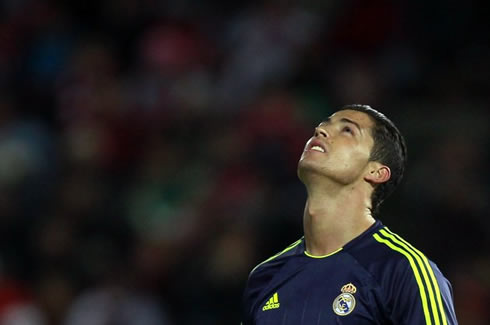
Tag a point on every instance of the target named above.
point(317, 148)
point(316, 145)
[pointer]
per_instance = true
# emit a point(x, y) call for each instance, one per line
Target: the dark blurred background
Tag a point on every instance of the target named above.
point(148, 148)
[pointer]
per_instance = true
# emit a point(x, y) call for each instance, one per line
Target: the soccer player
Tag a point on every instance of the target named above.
point(349, 268)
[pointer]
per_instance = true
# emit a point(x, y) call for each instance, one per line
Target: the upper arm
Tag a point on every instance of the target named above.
point(415, 290)
point(422, 295)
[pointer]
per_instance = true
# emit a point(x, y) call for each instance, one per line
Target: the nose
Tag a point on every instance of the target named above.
point(319, 132)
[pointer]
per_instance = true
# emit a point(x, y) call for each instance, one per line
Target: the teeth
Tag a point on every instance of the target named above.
point(317, 148)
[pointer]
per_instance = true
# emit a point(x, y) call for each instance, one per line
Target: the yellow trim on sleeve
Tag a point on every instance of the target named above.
point(431, 274)
point(432, 299)
point(415, 271)
point(322, 256)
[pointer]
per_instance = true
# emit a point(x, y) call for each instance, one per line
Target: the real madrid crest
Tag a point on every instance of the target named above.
point(345, 303)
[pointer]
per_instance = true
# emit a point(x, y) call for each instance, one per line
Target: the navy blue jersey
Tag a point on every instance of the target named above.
point(377, 278)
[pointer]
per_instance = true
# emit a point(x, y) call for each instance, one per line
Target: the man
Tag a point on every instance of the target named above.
point(349, 268)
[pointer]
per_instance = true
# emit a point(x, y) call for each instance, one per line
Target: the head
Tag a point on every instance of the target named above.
point(362, 145)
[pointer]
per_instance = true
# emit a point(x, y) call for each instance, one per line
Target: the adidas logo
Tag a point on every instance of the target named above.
point(272, 303)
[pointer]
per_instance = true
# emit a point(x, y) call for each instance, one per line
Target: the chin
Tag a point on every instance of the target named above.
point(307, 169)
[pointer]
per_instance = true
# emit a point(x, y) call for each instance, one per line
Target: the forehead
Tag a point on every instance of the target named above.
point(363, 119)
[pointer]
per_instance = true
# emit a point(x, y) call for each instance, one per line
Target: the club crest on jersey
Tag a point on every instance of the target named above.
point(345, 303)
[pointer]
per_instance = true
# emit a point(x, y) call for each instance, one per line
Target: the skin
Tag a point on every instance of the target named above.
point(339, 182)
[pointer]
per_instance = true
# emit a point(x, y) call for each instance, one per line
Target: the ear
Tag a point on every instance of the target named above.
point(377, 173)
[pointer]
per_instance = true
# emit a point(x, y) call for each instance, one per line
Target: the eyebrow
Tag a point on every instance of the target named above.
point(345, 120)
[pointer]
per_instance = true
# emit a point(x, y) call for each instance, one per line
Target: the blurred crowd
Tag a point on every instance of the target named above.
point(148, 148)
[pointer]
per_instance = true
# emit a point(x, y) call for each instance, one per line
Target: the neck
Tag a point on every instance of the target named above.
point(331, 220)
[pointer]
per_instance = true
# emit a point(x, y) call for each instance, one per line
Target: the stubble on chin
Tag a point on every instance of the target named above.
point(307, 171)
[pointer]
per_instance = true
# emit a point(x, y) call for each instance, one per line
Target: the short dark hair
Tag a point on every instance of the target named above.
point(389, 148)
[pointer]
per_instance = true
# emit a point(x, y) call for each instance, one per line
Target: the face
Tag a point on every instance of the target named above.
point(339, 148)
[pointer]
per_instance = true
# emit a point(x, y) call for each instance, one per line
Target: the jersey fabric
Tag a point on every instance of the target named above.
point(377, 278)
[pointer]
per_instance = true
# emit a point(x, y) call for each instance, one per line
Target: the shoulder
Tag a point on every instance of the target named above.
point(408, 282)
point(396, 265)
point(406, 261)
point(279, 257)
point(414, 283)
point(261, 276)
point(386, 251)
point(401, 255)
